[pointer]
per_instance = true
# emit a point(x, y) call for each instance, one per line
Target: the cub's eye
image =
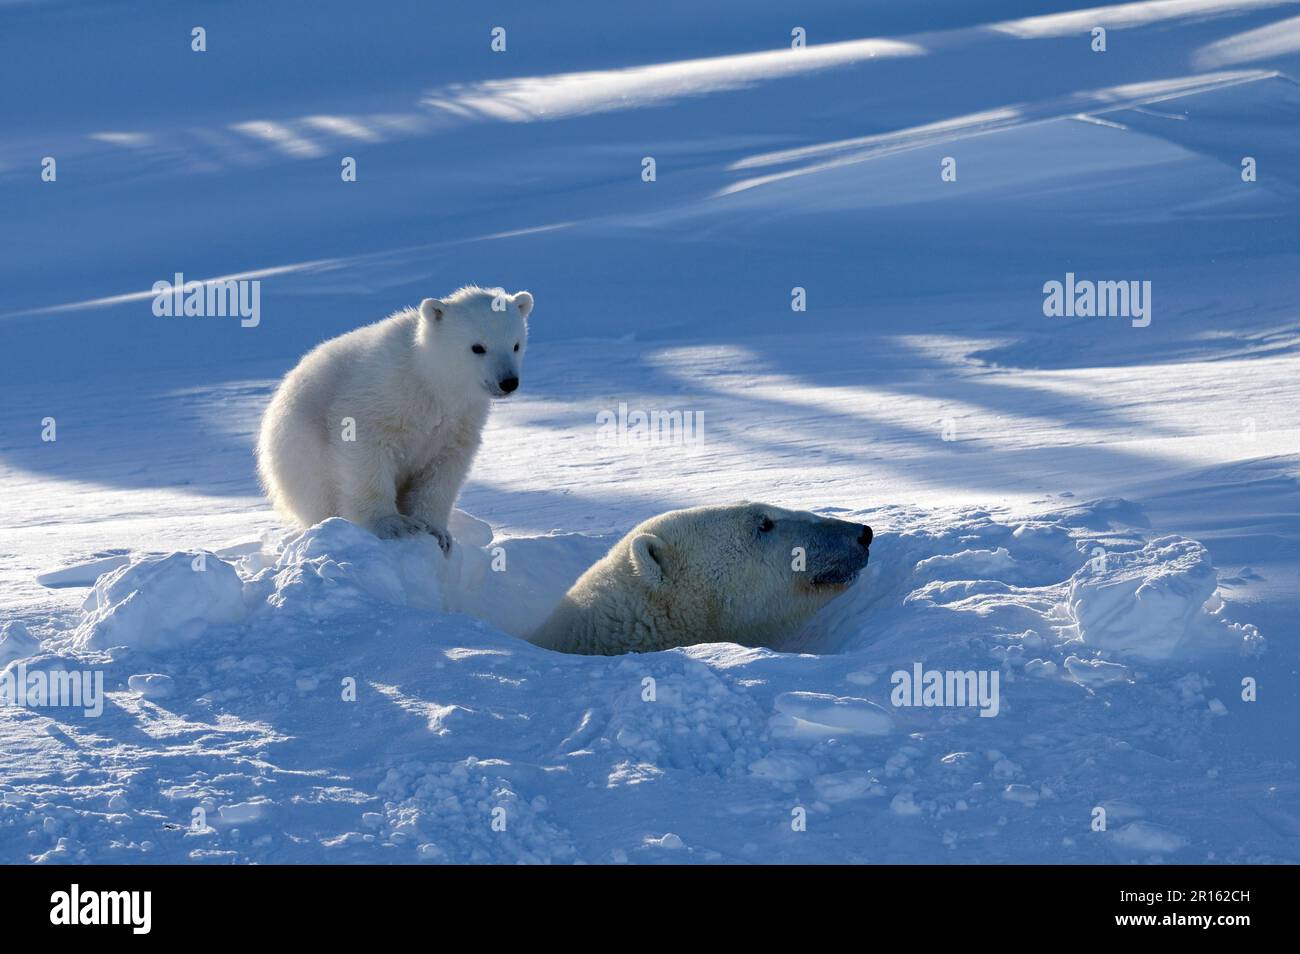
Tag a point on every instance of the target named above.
point(479, 349)
point(766, 525)
point(516, 345)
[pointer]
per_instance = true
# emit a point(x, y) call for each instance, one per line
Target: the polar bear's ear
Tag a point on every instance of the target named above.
point(647, 551)
point(432, 309)
point(524, 302)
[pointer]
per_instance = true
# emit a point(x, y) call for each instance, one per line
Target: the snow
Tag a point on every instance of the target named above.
point(151, 685)
point(1141, 837)
point(835, 716)
point(16, 642)
point(1107, 517)
point(1151, 601)
point(160, 602)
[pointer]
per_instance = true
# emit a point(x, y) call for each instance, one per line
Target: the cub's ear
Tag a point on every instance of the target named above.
point(431, 309)
point(647, 552)
point(524, 302)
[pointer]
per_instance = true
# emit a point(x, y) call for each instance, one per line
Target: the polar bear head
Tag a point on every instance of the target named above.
point(758, 571)
point(476, 338)
point(746, 573)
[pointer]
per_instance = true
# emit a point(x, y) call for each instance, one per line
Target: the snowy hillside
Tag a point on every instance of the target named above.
point(838, 267)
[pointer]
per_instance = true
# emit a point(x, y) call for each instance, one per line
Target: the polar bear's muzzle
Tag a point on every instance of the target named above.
point(504, 387)
point(840, 554)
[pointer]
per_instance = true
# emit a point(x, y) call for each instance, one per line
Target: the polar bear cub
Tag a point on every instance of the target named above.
point(744, 573)
point(380, 425)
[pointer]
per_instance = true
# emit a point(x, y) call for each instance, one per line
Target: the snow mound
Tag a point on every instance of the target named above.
point(336, 565)
point(324, 572)
point(160, 602)
point(16, 642)
point(1148, 602)
point(988, 563)
point(1082, 577)
point(1054, 583)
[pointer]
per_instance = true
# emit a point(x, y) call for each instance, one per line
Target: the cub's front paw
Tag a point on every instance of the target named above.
point(443, 537)
point(399, 525)
point(402, 525)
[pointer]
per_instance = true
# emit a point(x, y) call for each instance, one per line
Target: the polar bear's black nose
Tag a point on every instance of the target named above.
point(865, 536)
point(508, 384)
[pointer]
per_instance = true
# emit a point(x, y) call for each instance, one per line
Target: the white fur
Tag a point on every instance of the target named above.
point(419, 397)
point(708, 574)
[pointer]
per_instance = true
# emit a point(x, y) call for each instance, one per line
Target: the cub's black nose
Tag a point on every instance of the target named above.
point(508, 384)
point(865, 536)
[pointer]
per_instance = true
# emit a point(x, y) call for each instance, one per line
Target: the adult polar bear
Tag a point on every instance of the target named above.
point(380, 425)
point(745, 573)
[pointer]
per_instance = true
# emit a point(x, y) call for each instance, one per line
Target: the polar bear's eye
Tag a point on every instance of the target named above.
point(478, 349)
point(766, 525)
point(516, 345)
